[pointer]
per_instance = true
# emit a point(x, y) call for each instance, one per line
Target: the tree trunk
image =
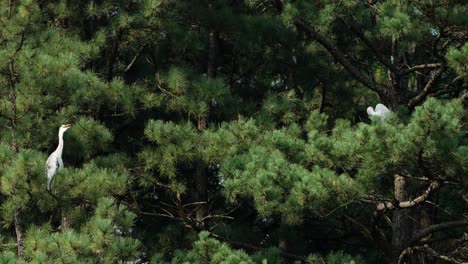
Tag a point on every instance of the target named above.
point(201, 184)
point(201, 174)
point(19, 233)
point(398, 92)
point(65, 221)
point(424, 221)
point(212, 54)
point(402, 220)
point(201, 181)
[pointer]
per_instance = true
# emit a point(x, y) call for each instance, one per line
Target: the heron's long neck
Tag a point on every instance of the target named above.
point(60, 145)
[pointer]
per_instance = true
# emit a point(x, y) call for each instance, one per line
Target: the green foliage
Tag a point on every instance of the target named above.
point(21, 182)
point(103, 237)
point(458, 59)
point(88, 137)
point(9, 257)
point(190, 94)
point(176, 146)
point(226, 116)
point(335, 258)
point(209, 250)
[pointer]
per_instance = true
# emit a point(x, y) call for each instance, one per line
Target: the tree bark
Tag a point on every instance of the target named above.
point(201, 173)
point(65, 221)
point(201, 182)
point(402, 220)
point(212, 54)
point(18, 222)
point(113, 55)
point(19, 233)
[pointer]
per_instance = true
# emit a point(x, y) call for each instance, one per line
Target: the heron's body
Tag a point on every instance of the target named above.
point(54, 163)
point(380, 110)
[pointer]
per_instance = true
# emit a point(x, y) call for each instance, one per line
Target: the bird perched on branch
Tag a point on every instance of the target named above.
point(380, 110)
point(54, 163)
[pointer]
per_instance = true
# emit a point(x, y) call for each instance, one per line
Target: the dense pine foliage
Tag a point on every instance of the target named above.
point(213, 131)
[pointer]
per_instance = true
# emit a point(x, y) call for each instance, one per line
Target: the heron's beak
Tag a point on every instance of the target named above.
point(67, 126)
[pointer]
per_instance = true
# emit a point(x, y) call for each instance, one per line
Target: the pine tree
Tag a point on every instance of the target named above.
point(43, 86)
point(213, 131)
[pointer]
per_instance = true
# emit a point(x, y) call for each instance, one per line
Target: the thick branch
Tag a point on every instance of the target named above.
point(340, 57)
point(451, 88)
point(431, 252)
point(423, 94)
point(435, 228)
point(433, 187)
point(421, 67)
point(464, 96)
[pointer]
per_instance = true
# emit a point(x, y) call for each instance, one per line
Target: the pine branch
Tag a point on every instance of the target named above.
point(132, 62)
point(431, 253)
point(340, 57)
point(464, 96)
point(251, 247)
point(435, 52)
point(381, 242)
point(386, 62)
point(436, 228)
point(420, 67)
point(452, 87)
point(217, 216)
point(364, 230)
point(427, 88)
point(427, 179)
point(249, 71)
point(433, 187)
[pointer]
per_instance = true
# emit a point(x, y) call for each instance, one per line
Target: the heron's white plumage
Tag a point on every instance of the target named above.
point(54, 163)
point(380, 110)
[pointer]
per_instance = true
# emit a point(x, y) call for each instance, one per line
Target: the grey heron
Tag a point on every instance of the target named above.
point(54, 163)
point(380, 110)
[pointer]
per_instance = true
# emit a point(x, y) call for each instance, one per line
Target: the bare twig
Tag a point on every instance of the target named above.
point(427, 88)
point(420, 67)
point(132, 62)
point(216, 216)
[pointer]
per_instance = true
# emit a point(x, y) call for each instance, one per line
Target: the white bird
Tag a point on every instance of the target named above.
point(380, 110)
point(54, 163)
